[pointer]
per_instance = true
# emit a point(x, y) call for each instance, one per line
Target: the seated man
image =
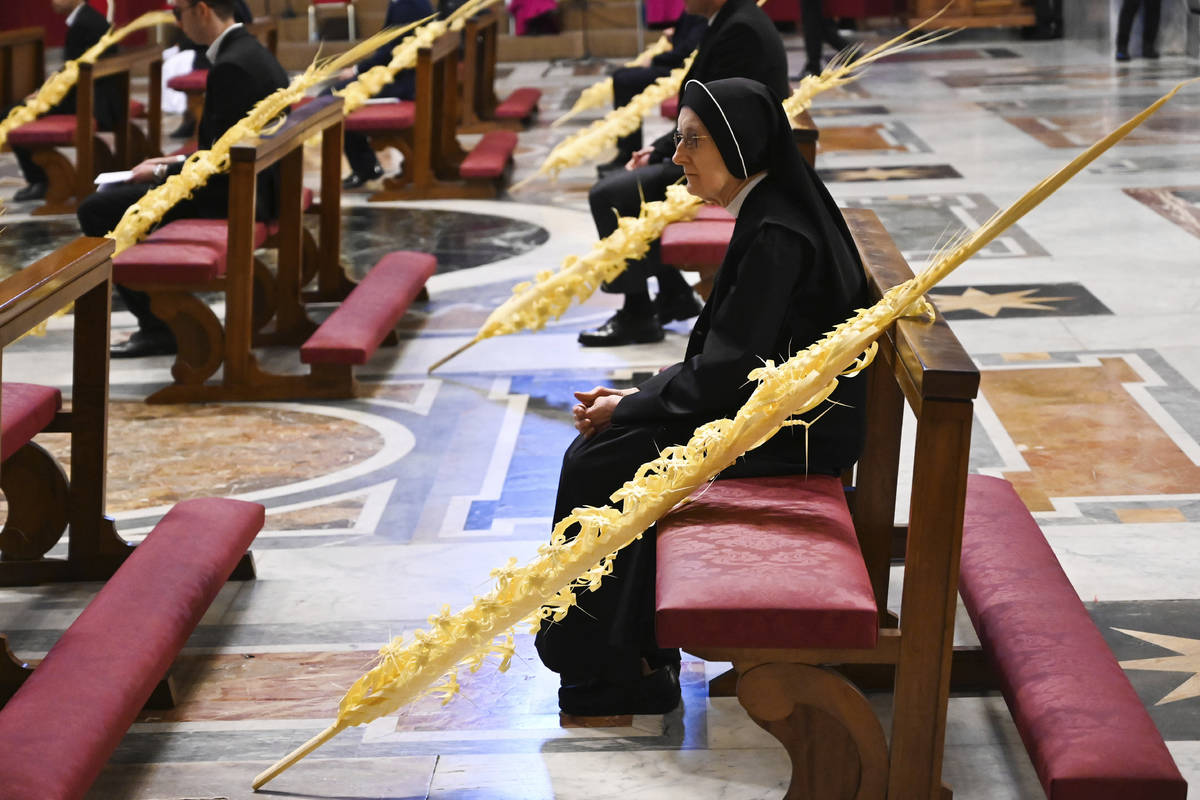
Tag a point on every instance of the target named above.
point(740, 42)
point(243, 73)
point(358, 149)
point(85, 26)
point(628, 82)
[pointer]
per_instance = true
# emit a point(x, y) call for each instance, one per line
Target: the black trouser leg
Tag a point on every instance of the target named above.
point(29, 168)
point(814, 33)
point(1125, 23)
point(360, 154)
point(1150, 24)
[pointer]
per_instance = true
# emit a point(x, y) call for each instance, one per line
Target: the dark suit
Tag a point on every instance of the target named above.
point(85, 30)
point(357, 146)
point(741, 42)
point(773, 296)
point(244, 73)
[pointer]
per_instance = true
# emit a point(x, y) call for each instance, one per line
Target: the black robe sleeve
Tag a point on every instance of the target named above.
point(748, 324)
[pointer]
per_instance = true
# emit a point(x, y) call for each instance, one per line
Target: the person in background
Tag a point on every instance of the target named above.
point(241, 14)
point(1129, 9)
point(817, 31)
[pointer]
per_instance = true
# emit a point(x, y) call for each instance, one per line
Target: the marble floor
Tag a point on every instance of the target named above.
point(382, 509)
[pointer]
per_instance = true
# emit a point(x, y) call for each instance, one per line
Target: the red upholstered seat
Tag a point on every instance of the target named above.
point(193, 81)
point(764, 562)
point(355, 330)
point(696, 243)
point(670, 107)
point(25, 411)
point(490, 156)
point(713, 213)
point(1083, 725)
point(51, 130)
point(380, 117)
point(137, 109)
point(212, 232)
point(169, 262)
point(520, 104)
point(59, 729)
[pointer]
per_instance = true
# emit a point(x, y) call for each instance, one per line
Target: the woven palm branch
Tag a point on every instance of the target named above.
point(547, 587)
point(601, 93)
point(61, 82)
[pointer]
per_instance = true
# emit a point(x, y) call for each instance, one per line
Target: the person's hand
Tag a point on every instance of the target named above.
point(348, 74)
point(640, 158)
point(594, 411)
point(144, 172)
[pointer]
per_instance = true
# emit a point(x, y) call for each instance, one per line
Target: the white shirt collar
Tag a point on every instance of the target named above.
point(215, 47)
point(735, 205)
point(74, 13)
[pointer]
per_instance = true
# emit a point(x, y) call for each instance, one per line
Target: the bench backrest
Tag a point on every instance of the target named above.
point(435, 145)
point(117, 68)
point(22, 63)
point(479, 62)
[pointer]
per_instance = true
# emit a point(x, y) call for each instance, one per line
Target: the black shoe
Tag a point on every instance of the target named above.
point(624, 328)
point(656, 693)
point(356, 181)
point(1122, 55)
point(186, 129)
point(616, 165)
point(676, 307)
point(34, 191)
point(1149, 52)
point(141, 343)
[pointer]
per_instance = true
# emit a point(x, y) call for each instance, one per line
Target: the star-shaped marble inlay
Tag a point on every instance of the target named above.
point(879, 174)
point(992, 304)
point(1188, 660)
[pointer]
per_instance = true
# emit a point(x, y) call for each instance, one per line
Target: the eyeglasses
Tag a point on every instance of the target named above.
point(689, 141)
point(178, 10)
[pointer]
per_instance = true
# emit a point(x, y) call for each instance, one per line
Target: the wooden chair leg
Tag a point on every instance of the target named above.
point(37, 489)
point(60, 182)
point(266, 299)
point(13, 671)
point(198, 334)
point(836, 745)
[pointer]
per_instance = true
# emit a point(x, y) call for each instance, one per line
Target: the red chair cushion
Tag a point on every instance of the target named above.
point(1083, 725)
point(194, 81)
point(211, 232)
point(697, 243)
point(59, 729)
point(137, 109)
point(382, 117)
point(490, 156)
point(169, 262)
point(25, 411)
point(713, 213)
point(670, 107)
point(520, 104)
point(354, 331)
point(764, 562)
point(51, 130)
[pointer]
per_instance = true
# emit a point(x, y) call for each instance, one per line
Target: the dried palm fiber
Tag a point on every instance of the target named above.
point(140, 217)
point(598, 137)
point(548, 296)
point(601, 93)
point(547, 587)
point(61, 82)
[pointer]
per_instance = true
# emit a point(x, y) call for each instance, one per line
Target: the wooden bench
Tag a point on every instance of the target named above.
point(69, 183)
point(172, 271)
point(801, 611)
point(699, 244)
point(481, 109)
point(437, 166)
point(22, 64)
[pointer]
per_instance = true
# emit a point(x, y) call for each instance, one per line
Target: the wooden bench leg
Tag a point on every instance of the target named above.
point(60, 182)
point(266, 295)
point(13, 671)
point(37, 491)
point(836, 745)
point(198, 334)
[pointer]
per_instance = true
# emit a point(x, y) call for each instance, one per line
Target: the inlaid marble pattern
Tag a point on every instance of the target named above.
point(888, 137)
point(1016, 300)
point(1169, 126)
point(919, 172)
point(1179, 204)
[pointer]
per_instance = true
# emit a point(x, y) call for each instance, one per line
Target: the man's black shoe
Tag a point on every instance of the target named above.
point(356, 181)
point(656, 693)
point(34, 191)
point(679, 306)
point(615, 165)
point(1149, 52)
point(1122, 55)
point(142, 344)
point(624, 328)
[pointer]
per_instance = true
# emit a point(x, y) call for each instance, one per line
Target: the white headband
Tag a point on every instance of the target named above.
point(732, 135)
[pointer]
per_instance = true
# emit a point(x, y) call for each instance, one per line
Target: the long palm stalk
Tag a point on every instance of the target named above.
point(601, 93)
point(547, 587)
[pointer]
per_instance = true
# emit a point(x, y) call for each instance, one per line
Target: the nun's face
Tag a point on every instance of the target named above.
point(705, 170)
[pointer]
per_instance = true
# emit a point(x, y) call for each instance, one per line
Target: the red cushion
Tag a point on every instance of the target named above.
point(137, 109)
point(490, 156)
point(354, 331)
point(764, 562)
point(713, 213)
point(670, 107)
point(1083, 725)
point(519, 105)
point(59, 729)
point(194, 81)
point(382, 117)
point(25, 411)
point(169, 262)
point(699, 243)
point(52, 129)
point(212, 232)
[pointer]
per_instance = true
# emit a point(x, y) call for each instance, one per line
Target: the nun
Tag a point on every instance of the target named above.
point(790, 274)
